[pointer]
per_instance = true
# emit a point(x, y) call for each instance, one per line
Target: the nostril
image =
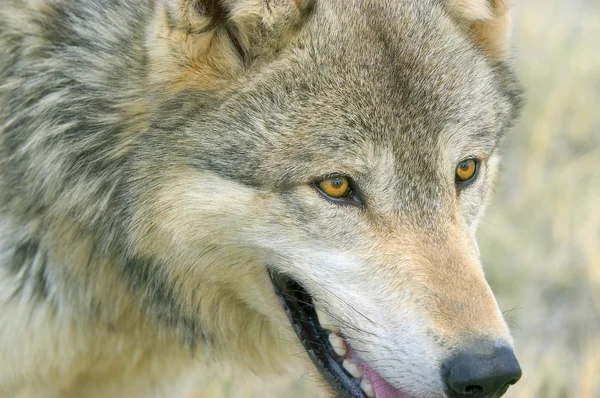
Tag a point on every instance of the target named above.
point(473, 390)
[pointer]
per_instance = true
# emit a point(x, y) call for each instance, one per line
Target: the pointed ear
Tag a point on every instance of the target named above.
point(487, 22)
point(208, 42)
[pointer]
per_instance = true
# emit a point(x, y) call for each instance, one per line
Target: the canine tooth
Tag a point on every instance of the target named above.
point(325, 321)
point(352, 368)
point(367, 388)
point(338, 344)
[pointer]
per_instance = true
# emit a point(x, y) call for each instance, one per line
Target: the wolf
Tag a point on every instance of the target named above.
point(186, 182)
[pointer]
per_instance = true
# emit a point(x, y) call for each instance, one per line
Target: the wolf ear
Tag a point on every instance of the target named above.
point(209, 41)
point(487, 22)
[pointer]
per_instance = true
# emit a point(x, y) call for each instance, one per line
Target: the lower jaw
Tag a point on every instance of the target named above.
point(316, 339)
point(382, 388)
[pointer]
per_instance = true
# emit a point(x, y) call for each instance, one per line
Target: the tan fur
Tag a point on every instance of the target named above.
point(488, 22)
point(470, 10)
point(69, 362)
point(181, 220)
point(133, 354)
point(467, 311)
point(182, 59)
point(197, 52)
point(494, 35)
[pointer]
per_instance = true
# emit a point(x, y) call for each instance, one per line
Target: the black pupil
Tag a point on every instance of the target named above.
point(464, 165)
point(337, 182)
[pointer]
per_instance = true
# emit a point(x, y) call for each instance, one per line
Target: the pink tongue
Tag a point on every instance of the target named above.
point(382, 388)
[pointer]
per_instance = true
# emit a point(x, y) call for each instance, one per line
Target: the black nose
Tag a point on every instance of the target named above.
point(484, 370)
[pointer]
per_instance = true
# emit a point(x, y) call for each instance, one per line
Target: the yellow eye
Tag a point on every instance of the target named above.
point(335, 187)
point(466, 170)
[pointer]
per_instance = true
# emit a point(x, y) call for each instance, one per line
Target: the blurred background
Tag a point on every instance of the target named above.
point(540, 240)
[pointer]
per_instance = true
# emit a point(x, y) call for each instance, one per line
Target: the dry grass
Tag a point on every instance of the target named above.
point(541, 238)
point(541, 241)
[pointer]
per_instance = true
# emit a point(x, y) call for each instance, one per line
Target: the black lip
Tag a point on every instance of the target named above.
point(297, 304)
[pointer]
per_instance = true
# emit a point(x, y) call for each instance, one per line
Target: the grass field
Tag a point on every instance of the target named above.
point(540, 241)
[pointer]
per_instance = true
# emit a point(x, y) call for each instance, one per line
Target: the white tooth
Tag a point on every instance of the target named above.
point(338, 344)
point(352, 368)
point(367, 387)
point(325, 321)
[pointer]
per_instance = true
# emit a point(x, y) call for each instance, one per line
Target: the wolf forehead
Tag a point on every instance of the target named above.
point(400, 76)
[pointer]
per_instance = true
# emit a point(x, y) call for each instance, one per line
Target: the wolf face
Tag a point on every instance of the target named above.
point(385, 105)
point(311, 174)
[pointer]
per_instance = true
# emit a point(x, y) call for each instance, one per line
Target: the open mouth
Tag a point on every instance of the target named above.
point(343, 369)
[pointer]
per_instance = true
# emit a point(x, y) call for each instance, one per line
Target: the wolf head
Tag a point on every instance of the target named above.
point(330, 161)
point(313, 175)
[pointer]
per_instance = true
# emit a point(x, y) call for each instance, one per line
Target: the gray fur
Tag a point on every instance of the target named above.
point(86, 139)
